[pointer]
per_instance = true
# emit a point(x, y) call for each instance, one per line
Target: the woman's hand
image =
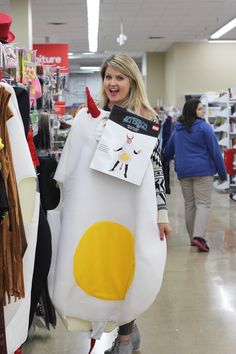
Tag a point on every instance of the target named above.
point(164, 230)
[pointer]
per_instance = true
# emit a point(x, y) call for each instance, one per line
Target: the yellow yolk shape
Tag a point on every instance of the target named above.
point(104, 261)
point(124, 156)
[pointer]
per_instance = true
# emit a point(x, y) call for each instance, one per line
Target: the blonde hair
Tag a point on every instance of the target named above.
point(137, 100)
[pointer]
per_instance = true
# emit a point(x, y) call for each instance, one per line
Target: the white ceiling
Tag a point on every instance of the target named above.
point(175, 20)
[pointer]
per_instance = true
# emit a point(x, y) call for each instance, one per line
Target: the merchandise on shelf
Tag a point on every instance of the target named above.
point(217, 112)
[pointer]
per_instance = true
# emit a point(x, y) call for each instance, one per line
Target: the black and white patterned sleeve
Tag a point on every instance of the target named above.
point(159, 184)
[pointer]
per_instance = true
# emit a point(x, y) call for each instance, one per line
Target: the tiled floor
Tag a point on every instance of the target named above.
point(195, 312)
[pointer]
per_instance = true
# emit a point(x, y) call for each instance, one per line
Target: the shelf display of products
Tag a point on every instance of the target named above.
point(217, 115)
point(220, 113)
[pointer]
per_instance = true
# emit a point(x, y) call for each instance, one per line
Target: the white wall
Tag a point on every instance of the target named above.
point(184, 68)
point(170, 78)
point(198, 67)
point(155, 79)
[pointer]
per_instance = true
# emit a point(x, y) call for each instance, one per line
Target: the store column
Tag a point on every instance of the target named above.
point(21, 13)
point(155, 80)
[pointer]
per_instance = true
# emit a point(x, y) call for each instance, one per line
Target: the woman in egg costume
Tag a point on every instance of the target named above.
point(111, 248)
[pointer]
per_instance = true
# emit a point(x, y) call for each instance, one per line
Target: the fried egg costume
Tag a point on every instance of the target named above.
point(109, 263)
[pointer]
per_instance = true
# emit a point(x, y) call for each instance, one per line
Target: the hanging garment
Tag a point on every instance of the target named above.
point(17, 312)
point(32, 148)
point(108, 259)
point(49, 197)
point(12, 230)
point(22, 96)
point(42, 263)
point(3, 347)
point(49, 192)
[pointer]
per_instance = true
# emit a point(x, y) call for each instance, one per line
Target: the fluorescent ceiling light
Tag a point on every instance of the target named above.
point(222, 41)
point(226, 28)
point(93, 68)
point(88, 53)
point(93, 22)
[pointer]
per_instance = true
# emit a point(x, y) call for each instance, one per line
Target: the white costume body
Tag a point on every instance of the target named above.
point(91, 197)
point(17, 312)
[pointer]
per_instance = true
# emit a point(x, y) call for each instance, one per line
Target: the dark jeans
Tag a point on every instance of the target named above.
point(126, 329)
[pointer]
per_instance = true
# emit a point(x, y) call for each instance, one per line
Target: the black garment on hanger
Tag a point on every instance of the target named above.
point(41, 304)
point(23, 100)
point(42, 264)
point(4, 206)
point(49, 193)
point(39, 101)
point(42, 140)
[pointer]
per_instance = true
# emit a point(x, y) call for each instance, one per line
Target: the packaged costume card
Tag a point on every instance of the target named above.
point(126, 145)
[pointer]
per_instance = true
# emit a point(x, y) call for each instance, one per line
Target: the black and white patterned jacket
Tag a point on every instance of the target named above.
point(159, 184)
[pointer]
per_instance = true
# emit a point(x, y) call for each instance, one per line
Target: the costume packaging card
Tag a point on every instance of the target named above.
point(126, 145)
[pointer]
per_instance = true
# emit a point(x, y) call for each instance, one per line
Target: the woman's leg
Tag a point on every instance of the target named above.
point(123, 343)
point(117, 163)
point(202, 187)
point(125, 330)
point(189, 203)
point(126, 170)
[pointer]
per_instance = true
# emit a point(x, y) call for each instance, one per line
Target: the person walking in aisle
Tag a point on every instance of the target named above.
point(198, 157)
point(122, 85)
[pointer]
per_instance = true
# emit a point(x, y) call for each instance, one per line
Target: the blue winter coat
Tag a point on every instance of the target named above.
point(196, 153)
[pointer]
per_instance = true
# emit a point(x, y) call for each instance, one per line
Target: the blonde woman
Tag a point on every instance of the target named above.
point(122, 85)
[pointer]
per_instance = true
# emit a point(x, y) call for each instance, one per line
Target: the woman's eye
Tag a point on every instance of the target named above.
point(107, 77)
point(119, 78)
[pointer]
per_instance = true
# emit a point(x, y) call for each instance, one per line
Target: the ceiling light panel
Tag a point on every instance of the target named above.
point(93, 22)
point(226, 28)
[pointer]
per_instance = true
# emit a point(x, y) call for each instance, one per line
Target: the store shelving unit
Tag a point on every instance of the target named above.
point(217, 114)
point(232, 142)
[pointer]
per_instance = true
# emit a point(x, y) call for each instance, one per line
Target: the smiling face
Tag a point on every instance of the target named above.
point(116, 86)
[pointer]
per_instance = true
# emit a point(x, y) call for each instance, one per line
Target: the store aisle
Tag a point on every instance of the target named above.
point(196, 310)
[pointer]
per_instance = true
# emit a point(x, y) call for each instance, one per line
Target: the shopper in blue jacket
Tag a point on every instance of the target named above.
point(198, 157)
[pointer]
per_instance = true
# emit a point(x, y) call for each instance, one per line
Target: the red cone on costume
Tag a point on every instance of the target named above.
point(92, 107)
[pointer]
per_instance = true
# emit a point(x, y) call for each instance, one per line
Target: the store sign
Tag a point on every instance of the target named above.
point(60, 107)
point(53, 55)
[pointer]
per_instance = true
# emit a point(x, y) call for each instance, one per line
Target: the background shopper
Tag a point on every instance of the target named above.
point(198, 157)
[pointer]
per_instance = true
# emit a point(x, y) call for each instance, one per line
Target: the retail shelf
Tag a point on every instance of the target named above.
point(222, 128)
point(221, 186)
point(224, 142)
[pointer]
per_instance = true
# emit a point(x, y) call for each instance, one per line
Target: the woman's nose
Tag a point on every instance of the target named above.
point(113, 81)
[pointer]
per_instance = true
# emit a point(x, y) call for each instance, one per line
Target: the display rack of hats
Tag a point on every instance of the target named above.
point(217, 113)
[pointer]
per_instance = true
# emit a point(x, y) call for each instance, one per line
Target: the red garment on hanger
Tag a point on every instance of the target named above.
point(32, 148)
